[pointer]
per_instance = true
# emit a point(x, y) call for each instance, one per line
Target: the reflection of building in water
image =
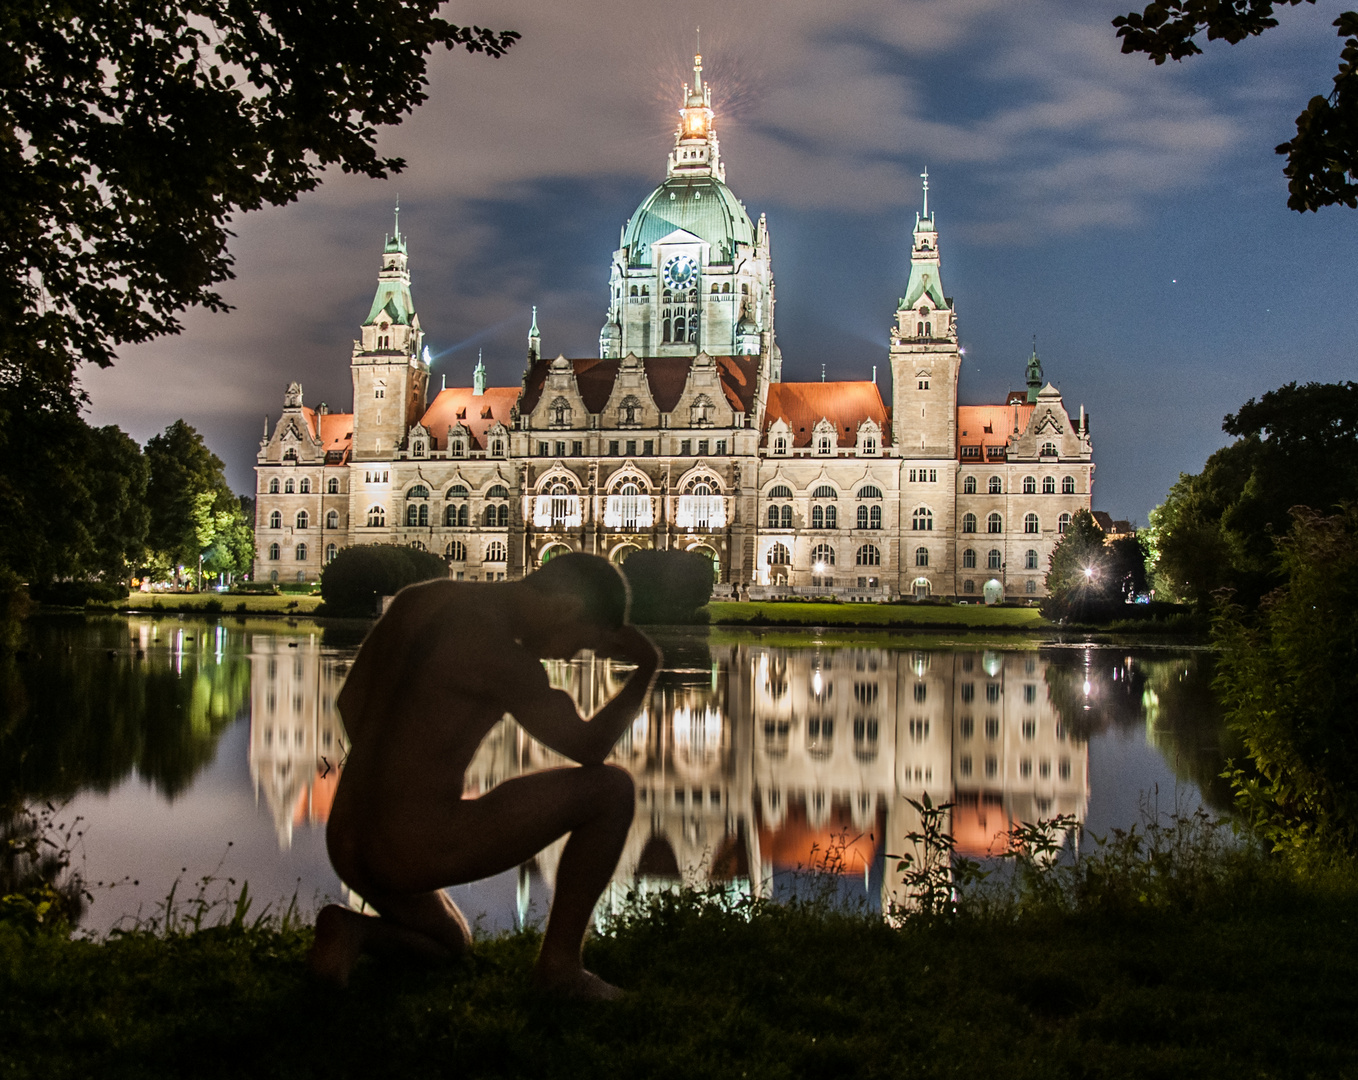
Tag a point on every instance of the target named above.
point(296, 738)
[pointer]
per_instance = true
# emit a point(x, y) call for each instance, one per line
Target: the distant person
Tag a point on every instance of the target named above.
point(438, 671)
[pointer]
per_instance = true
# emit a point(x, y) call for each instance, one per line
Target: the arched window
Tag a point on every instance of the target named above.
point(818, 517)
point(825, 491)
point(300, 553)
point(1030, 559)
point(824, 444)
point(680, 330)
point(273, 486)
point(780, 444)
point(700, 412)
point(304, 486)
point(969, 559)
point(633, 292)
point(290, 455)
point(787, 517)
point(874, 517)
point(502, 518)
point(497, 491)
point(969, 486)
point(275, 552)
point(331, 550)
point(831, 517)
point(457, 491)
point(869, 491)
point(1049, 449)
point(968, 523)
point(773, 517)
point(491, 516)
point(289, 486)
point(376, 516)
point(332, 486)
point(996, 486)
point(862, 517)
point(456, 551)
point(1049, 485)
point(994, 524)
point(1030, 524)
point(779, 556)
point(413, 514)
point(332, 519)
point(780, 491)
point(303, 519)
point(1062, 524)
point(1068, 486)
point(276, 519)
point(868, 555)
point(419, 491)
point(1030, 485)
point(823, 555)
point(497, 448)
point(496, 551)
point(993, 559)
point(450, 514)
point(665, 330)
point(922, 556)
point(869, 445)
point(922, 520)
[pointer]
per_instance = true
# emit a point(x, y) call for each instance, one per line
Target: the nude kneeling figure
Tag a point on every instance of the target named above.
point(437, 672)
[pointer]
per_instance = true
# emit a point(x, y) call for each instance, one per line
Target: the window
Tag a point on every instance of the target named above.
point(289, 487)
point(823, 554)
point(456, 551)
point(969, 559)
point(276, 519)
point(922, 556)
point(497, 491)
point(456, 515)
point(1062, 524)
point(417, 514)
point(993, 559)
point(787, 517)
point(419, 491)
point(1048, 450)
point(1030, 559)
point(290, 455)
point(273, 486)
point(331, 550)
point(497, 448)
point(332, 486)
point(996, 486)
point(773, 517)
point(825, 491)
point(1030, 587)
point(831, 517)
point(862, 517)
point(300, 553)
point(275, 552)
point(496, 551)
point(875, 517)
point(869, 445)
point(994, 523)
point(332, 519)
point(1068, 486)
point(630, 508)
point(817, 517)
point(968, 586)
point(376, 516)
point(868, 555)
point(1049, 485)
point(869, 491)
point(544, 449)
point(780, 491)
point(969, 486)
point(578, 448)
point(971, 451)
point(1030, 485)
point(779, 556)
point(922, 520)
point(561, 412)
point(304, 486)
point(497, 516)
point(457, 491)
point(968, 523)
point(1030, 523)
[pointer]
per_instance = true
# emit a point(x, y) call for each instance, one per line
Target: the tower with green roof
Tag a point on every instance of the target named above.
point(692, 271)
point(390, 375)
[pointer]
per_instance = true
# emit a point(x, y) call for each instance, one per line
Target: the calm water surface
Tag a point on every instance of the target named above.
point(195, 747)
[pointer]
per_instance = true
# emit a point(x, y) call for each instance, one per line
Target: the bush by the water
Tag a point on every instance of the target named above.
point(359, 576)
point(668, 586)
point(78, 593)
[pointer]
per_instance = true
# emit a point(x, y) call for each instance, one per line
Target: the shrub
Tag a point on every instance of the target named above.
point(668, 586)
point(359, 576)
point(79, 593)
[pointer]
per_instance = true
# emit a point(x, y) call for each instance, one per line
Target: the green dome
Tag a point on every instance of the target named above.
point(702, 205)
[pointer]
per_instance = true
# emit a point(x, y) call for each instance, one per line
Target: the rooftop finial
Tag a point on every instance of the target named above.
point(398, 217)
point(479, 376)
point(925, 177)
point(533, 330)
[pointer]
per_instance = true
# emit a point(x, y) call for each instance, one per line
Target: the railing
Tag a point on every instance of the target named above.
point(556, 511)
point(701, 512)
point(630, 512)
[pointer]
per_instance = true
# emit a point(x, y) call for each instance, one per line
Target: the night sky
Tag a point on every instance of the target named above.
point(1133, 217)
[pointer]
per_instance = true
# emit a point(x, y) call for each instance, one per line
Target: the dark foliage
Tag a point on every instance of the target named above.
point(1090, 580)
point(1322, 158)
point(1288, 679)
point(360, 576)
point(668, 586)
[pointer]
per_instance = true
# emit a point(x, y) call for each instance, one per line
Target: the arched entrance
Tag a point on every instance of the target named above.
point(993, 591)
point(622, 553)
point(551, 551)
point(920, 587)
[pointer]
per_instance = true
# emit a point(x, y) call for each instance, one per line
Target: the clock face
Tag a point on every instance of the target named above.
point(681, 272)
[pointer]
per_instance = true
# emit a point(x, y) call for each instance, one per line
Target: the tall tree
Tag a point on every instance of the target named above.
point(185, 494)
point(1322, 158)
point(130, 133)
point(1078, 582)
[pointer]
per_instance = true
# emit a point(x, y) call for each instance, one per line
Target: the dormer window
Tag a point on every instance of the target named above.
point(824, 444)
point(456, 447)
point(418, 448)
point(290, 454)
point(497, 448)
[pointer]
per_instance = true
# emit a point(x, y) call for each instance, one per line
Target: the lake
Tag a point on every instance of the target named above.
point(195, 747)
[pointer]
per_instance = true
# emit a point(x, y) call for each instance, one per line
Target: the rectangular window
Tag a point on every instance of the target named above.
point(702, 448)
point(912, 476)
point(613, 447)
point(648, 447)
point(933, 476)
point(685, 447)
point(577, 449)
point(543, 449)
point(721, 448)
point(560, 449)
point(631, 448)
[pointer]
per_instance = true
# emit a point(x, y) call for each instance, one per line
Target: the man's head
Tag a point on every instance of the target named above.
point(578, 597)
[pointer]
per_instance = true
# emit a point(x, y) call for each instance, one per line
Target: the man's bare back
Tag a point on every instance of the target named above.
point(438, 671)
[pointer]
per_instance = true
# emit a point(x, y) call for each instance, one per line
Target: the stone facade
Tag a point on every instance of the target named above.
point(681, 433)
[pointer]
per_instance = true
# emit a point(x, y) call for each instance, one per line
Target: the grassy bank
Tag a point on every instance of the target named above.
point(1253, 981)
point(868, 616)
point(230, 604)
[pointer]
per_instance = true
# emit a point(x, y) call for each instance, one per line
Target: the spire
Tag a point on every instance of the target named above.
point(1034, 373)
point(396, 242)
point(695, 150)
point(925, 177)
point(534, 338)
point(479, 376)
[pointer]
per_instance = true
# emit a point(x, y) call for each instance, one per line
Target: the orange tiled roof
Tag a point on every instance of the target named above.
point(844, 404)
point(458, 405)
point(989, 425)
point(336, 432)
point(665, 375)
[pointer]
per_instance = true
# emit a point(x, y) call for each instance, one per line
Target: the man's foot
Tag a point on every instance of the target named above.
point(575, 984)
point(338, 945)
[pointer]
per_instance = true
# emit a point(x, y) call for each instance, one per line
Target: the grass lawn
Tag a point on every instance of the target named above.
point(952, 616)
point(1259, 984)
point(253, 604)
